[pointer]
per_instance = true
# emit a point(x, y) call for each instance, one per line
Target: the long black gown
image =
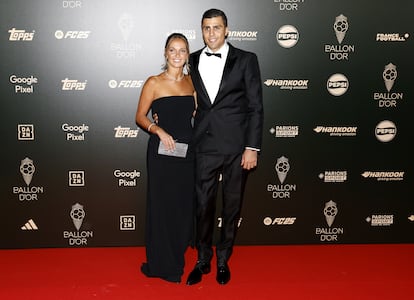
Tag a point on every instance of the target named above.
point(170, 194)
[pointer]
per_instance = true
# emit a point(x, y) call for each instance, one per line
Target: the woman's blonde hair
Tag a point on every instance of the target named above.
point(173, 36)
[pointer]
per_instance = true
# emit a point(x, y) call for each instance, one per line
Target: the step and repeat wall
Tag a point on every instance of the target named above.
point(336, 163)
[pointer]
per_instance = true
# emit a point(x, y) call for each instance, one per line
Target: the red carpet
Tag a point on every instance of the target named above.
point(258, 272)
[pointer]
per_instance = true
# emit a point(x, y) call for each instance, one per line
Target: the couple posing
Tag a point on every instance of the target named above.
point(220, 87)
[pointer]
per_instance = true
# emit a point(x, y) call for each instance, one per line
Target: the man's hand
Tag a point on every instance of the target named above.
point(155, 118)
point(249, 159)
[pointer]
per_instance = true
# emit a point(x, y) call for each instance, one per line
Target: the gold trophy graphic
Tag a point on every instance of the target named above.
point(282, 168)
point(77, 214)
point(125, 24)
point(330, 212)
point(341, 27)
point(389, 75)
point(27, 169)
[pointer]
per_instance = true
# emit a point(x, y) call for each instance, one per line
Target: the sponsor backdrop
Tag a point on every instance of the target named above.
point(336, 163)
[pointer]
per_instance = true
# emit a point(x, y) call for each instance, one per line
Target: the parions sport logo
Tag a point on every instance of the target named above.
point(285, 131)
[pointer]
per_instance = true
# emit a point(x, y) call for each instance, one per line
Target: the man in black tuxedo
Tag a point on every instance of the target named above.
point(227, 137)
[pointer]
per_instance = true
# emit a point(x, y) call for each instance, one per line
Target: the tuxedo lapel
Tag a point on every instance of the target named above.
point(195, 74)
point(230, 61)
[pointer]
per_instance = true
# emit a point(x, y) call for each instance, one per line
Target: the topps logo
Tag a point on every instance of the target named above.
point(73, 84)
point(20, 35)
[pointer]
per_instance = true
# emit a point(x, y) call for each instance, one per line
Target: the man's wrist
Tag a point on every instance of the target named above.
point(252, 148)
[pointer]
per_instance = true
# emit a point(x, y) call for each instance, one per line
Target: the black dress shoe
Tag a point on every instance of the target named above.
point(197, 273)
point(223, 274)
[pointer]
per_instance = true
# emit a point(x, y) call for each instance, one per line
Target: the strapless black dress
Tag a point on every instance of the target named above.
point(170, 193)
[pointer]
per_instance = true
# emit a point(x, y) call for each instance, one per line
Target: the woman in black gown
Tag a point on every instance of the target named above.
point(170, 194)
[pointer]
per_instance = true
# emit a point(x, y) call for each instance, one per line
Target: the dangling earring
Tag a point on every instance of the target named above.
point(165, 66)
point(187, 66)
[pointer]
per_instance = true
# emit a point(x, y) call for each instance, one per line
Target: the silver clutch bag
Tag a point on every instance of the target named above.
point(179, 151)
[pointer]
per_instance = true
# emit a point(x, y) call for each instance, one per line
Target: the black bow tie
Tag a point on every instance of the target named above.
point(215, 54)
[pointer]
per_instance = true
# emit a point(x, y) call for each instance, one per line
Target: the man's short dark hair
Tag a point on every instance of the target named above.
point(214, 12)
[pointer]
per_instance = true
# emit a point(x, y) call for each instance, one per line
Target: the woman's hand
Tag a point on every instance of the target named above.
point(167, 140)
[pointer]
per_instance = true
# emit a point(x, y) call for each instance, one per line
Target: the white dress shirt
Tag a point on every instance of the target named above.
point(211, 69)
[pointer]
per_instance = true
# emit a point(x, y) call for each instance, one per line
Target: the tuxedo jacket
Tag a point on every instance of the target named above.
point(234, 120)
